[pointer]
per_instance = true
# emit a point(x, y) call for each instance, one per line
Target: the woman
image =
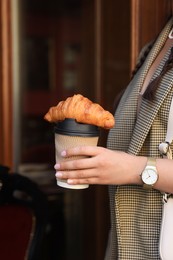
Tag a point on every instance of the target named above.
point(141, 124)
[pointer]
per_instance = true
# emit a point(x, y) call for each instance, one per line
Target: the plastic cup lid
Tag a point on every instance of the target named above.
point(71, 127)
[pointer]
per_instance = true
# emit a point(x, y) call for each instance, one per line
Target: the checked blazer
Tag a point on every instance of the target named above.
point(136, 213)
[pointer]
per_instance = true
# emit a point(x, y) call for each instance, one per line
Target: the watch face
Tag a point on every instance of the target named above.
point(149, 176)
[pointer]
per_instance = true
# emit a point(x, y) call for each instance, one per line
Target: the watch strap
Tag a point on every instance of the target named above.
point(151, 161)
point(147, 186)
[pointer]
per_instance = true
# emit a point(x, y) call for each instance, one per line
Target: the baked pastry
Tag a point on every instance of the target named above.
point(82, 110)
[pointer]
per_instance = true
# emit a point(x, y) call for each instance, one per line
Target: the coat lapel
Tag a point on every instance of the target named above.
point(148, 109)
point(147, 114)
point(154, 52)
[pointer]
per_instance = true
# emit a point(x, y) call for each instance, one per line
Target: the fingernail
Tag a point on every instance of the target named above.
point(63, 153)
point(57, 166)
point(69, 181)
point(58, 174)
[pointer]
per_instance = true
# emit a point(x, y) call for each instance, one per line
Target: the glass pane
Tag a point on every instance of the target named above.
point(55, 42)
point(53, 68)
point(117, 49)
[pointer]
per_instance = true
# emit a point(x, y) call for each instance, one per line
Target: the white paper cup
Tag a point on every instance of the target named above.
point(79, 135)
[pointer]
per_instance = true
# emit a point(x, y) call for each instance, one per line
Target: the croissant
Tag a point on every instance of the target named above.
point(82, 110)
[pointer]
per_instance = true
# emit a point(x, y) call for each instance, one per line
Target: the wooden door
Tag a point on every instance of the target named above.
point(6, 118)
point(126, 27)
point(120, 29)
point(147, 19)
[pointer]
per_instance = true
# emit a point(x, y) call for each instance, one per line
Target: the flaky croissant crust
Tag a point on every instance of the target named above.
point(82, 110)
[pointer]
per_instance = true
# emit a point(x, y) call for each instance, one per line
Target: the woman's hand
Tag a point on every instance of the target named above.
point(100, 166)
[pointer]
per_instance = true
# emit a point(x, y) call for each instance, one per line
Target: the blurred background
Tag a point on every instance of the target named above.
point(51, 50)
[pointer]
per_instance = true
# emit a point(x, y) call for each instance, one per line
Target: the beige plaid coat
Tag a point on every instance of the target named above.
point(135, 212)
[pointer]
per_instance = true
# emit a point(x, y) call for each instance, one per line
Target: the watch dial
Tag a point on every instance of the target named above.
point(149, 176)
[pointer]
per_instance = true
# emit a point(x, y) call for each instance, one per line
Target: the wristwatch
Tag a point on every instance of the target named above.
point(149, 175)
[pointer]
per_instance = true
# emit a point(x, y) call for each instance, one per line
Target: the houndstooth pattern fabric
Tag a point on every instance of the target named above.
point(135, 212)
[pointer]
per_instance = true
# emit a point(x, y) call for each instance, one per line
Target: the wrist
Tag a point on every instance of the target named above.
point(138, 164)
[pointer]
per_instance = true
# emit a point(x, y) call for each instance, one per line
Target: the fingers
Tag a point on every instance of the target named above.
point(88, 152)
point(76, 174)
point(85, 163)
point(78, 177)
point(82, 150)
point(80, 170)
point(82, 181)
